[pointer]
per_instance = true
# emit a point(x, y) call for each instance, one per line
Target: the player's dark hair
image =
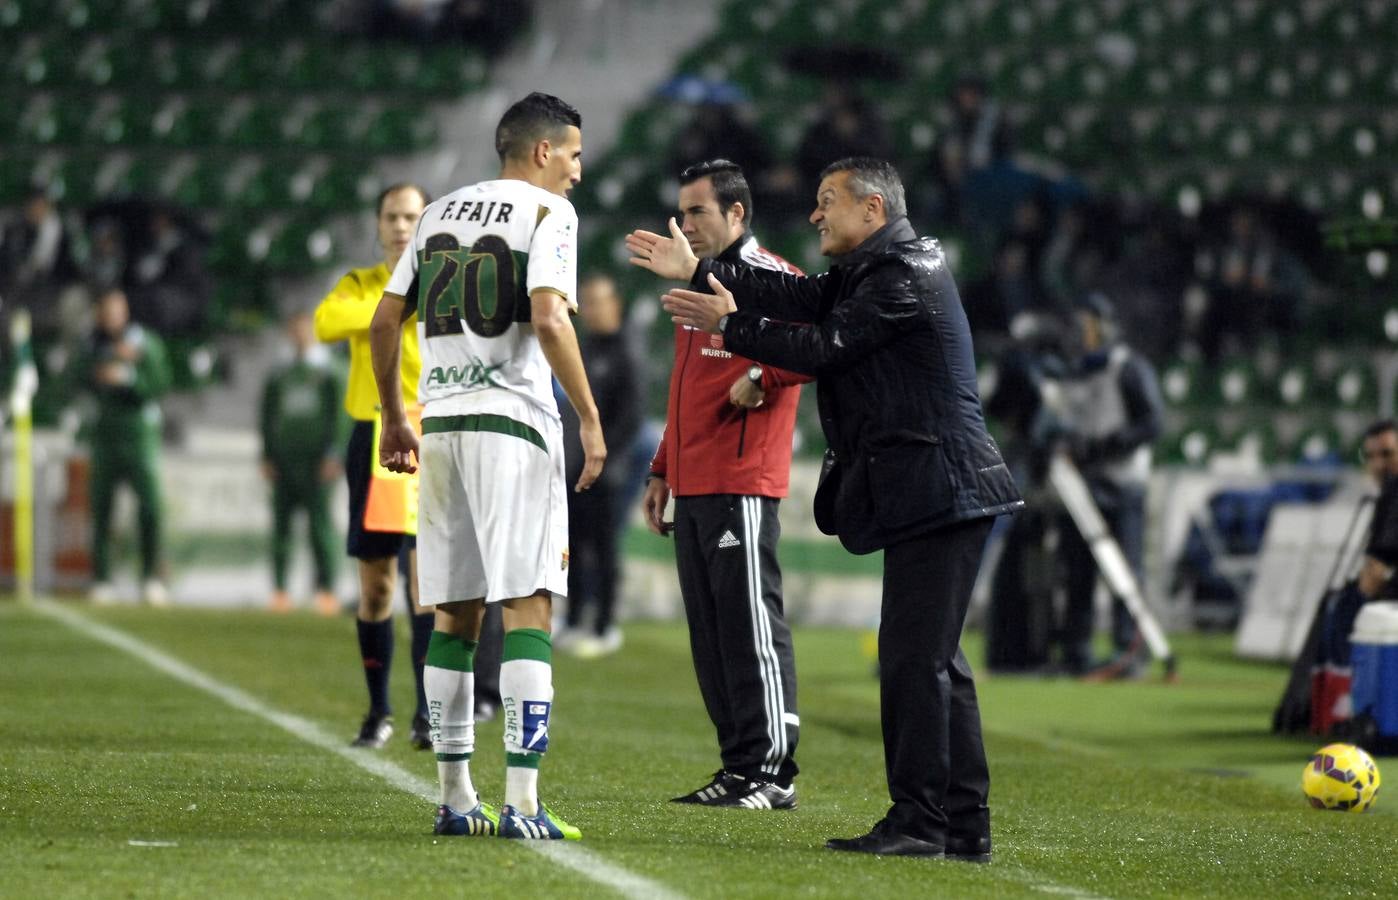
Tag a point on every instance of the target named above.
point(1380, 427)
point(535, 118)
point(869, 176)
point(401, 186)
point(730, 186)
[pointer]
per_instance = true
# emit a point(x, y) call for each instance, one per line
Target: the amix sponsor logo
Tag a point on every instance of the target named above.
point(475, 374)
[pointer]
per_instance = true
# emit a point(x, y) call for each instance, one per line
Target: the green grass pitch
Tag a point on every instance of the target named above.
point(116, 780)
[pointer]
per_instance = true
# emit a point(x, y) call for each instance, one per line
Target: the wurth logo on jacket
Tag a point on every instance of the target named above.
point(711, 446)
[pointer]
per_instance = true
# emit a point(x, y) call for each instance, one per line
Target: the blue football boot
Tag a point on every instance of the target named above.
point(479, 821)
point(544, 827)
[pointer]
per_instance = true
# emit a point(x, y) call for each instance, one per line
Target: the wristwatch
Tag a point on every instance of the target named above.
point(755, 374)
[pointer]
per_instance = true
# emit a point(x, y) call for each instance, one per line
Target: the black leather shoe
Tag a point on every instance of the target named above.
point(968, 849)
point(884, 842)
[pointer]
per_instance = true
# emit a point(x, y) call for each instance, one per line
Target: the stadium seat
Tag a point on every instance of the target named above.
point(1318, 443)
point(1236, 382)
point(1255, 437)
point(1294, 386)
point(1354, 386)
point(1192, 443)
point(1181, 383)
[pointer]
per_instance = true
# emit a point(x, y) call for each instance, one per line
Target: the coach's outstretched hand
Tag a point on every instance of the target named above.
point(668, 257)
point(699, 311)
point(398, 447)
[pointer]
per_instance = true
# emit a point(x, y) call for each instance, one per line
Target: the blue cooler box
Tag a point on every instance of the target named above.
point(1375, 661)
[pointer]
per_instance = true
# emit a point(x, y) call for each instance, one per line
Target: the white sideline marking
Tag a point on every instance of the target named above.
point(569, 855)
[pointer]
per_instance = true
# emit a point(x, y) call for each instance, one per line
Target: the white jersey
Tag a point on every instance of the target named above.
point(478, 254)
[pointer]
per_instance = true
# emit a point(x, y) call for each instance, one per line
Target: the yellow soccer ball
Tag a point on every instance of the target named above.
point(1341, 777)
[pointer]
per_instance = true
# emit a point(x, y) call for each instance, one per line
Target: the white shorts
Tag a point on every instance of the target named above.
point(492, 508)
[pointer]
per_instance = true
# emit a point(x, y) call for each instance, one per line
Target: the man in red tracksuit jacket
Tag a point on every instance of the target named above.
point(725, 456)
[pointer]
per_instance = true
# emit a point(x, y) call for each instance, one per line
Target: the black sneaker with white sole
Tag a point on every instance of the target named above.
point(720, 788)
point(374, 733)
point(761, 795)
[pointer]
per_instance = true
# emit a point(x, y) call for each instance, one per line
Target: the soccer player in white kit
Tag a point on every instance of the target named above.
point(492, 273)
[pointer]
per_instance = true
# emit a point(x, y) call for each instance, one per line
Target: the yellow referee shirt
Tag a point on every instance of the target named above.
point(344, 315)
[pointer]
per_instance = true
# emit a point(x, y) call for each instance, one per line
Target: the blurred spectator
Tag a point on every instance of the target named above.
point(36, 260)
point(300, 420)
point(1254, 285)
point(1020, 624)
point(1143, 263)
point(169, 284)
point(125, 369)
point(849, 125)
point(1011, 288)
point(106, 256)
point(718, 130)
point(1110, 410)
point(594, 524)
point(975, 139)
point(1380, 452)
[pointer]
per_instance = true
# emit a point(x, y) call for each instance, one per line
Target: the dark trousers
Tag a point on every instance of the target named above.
point(726, 554)
point(134, 463)
point(298, 486)
point(592, 556)
point(1124, 510)
point(927, 696)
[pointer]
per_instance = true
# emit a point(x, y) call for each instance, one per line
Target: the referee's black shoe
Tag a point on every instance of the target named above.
point(721, 787)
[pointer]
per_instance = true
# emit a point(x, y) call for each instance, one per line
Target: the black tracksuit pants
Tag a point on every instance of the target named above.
point(726, 554)
point(937, 774)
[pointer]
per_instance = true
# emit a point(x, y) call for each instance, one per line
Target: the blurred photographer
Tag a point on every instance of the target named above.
point(1110, 411)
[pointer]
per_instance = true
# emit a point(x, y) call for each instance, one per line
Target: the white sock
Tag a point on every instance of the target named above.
point(522, 789)
point(451, 714)
point(526, 692)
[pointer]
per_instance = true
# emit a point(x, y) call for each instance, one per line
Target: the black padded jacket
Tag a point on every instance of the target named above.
point(886, 337)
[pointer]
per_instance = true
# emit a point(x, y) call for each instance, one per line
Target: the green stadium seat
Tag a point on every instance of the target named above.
point(333, 128)
point(1192, 443)
point(268, 188)
point(1355, 386)
point(401, 130)
point(1236, 383)
point(127, 123)
point(453, 73)
point(1254, 437)
point(259, 125)
point(78, 174)
point(1182, 384)
point(204, 186)
point(341, 188)
point(1318, 442)
point(1295, 386)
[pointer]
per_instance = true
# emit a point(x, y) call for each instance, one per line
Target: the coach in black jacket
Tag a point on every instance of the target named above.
point(910, 469)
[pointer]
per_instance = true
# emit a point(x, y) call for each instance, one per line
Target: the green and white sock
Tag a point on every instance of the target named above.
point(526, 694)
point(450, 686)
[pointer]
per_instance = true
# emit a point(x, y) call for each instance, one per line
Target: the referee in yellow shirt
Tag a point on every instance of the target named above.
point(389, 543)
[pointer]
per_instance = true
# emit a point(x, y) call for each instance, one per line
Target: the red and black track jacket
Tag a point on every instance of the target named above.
point(711, 446)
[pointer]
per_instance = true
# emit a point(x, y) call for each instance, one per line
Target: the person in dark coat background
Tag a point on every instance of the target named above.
point(910, 469)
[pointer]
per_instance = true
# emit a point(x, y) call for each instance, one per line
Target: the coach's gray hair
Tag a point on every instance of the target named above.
point(869, 176)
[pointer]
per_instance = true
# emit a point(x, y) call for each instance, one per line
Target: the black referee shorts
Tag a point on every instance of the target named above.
point(359, 463)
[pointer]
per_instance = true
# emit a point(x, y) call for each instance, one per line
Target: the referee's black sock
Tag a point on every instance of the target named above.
point(376, 649)
point(422, 636)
